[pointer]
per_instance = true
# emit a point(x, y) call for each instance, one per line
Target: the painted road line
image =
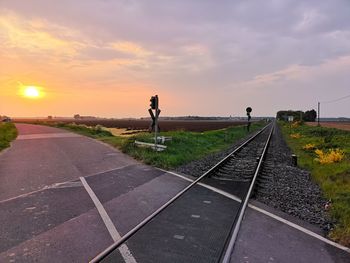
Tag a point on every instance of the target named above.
point(109, 170)
point(302, 229)
point(123, 249)
point(23, 195)
point(280, 219)
point(233, 197)
point(57, 185)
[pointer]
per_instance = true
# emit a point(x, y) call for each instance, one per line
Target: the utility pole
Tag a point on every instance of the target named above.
point(318, 114)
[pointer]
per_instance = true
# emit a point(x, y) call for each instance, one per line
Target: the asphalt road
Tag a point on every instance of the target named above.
point(42, 156)
point(46, 213)
point(263, 238)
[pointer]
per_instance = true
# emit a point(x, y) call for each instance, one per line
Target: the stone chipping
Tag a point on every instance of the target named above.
point(281, 184)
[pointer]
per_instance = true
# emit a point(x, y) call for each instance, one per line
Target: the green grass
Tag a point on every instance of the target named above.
point(333, 178)
point(185, 146)
point(8, 132)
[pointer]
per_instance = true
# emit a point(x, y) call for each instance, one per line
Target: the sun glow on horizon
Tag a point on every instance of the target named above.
point(32, 92)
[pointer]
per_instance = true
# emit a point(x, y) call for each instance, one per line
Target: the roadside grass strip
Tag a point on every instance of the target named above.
point(325, 152)
point(8, 133)
point(184, 147)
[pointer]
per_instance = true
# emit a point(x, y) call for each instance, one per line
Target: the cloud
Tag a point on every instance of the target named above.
point(310, 20)
point(299, 72)
point(197, 48)
point(36, 36)
point(58, 45)
point(130, 48)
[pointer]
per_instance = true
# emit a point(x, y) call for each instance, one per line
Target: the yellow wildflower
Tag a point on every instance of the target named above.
point(309, 146)
point(332, 156)
point(296, 124)
point(295, 135)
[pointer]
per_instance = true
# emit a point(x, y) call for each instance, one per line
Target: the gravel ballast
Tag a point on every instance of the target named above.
point(198, 167)
point(282, 185)
point(289, 188)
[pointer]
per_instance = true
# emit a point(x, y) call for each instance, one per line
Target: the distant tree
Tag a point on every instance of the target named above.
point(77, 116)
point(310, 115)
point(283, 115)
point(49, 117)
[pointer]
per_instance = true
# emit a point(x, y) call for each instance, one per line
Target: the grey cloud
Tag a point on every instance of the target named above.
point(102, 53)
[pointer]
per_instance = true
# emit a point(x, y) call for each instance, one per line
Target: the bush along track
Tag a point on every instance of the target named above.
point(325, 152)
point(8, 132)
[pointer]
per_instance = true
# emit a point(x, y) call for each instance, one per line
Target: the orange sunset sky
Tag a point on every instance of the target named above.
point(208, 58)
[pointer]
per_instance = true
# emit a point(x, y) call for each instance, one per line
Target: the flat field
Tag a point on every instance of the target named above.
point(336, 124)
point(139, 124)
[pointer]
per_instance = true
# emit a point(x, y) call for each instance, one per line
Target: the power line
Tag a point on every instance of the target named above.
point(330, 101)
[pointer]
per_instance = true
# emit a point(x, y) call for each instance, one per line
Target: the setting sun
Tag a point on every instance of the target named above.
point(31, 92)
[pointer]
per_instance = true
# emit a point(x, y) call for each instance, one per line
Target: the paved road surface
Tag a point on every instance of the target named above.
point(263, 238)
point(42, 156)
point(46, 213)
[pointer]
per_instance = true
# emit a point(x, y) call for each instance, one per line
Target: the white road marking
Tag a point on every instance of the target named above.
point(233, 197)
point(58, 184)
point(280, 219)
point(68, 184)
point(109, 170)
point(302, 229)
point(22, 195)
point(179, 237)
point(123, 249)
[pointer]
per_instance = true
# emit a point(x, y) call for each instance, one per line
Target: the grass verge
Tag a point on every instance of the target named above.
point(184, 147)
point(8, 132)
point(333, 177)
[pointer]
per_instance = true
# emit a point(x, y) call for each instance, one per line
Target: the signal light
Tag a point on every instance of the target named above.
point(154, 102)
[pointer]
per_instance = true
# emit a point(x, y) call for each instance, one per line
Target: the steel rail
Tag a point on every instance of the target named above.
point(116, 244)
point(230, 246)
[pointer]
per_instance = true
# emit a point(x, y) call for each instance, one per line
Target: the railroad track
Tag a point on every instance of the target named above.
point(198, 224)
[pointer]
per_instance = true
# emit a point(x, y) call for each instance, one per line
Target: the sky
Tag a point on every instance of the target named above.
point(201, 57)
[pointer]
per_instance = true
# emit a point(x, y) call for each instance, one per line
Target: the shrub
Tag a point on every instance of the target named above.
point(332, 156)
point(296, 124)
point(309, 146)
point(98, 128)
point(295, 135)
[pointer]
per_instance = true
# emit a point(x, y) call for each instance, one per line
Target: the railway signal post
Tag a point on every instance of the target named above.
point(249, 110)
point(154, 126)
